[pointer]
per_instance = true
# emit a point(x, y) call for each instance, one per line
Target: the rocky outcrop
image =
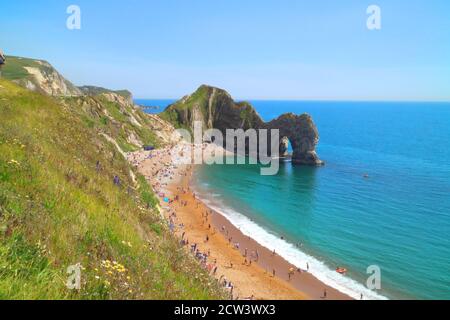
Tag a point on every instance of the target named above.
point(215, 108)
point(303, 135)
point(38, 75)
point(123, 95)
point(112, 112)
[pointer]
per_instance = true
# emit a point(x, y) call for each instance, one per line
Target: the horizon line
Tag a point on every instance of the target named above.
point(313, 100)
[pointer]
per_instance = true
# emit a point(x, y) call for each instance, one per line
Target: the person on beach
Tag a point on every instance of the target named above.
point(325, 293)
point(291, 273)
point(273, 273)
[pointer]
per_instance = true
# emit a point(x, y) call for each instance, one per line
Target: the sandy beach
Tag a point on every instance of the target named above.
point(244, 267)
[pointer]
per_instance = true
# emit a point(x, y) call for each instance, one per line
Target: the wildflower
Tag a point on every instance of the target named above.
point(12, 161)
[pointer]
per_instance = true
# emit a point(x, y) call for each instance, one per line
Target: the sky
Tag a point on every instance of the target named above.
point(305, 50)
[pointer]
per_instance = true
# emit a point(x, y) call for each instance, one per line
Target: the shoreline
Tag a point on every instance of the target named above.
point(301, 280)
point(266, 277)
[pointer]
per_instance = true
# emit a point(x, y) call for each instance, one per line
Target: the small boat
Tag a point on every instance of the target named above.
point(341, 270)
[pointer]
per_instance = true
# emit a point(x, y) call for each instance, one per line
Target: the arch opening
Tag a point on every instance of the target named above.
point(285, 150)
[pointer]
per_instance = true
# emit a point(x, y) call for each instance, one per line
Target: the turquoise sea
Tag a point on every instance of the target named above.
point(397, 219)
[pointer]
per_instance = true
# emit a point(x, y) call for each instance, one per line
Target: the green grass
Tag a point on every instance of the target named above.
point(57, 210)
point(95, 91)
point(114, 120)
point(180, 113)
point(176, 113)
point(14, 68)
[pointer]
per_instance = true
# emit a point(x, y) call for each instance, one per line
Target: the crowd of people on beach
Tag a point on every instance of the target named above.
point(160, 172)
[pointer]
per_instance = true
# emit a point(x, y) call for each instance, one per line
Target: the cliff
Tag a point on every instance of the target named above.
point(60, 151)
point(215, 108)
point(38, 75)
point(111, 112)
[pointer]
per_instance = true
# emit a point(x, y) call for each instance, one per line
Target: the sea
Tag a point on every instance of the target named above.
point(380, 207)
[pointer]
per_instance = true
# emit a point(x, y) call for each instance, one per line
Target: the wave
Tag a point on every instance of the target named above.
point(291, 253)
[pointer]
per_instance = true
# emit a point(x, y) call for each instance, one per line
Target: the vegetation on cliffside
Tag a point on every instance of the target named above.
point(59, 206)
point(213, 107)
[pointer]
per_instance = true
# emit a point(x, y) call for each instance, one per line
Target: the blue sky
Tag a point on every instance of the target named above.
point(254, 49)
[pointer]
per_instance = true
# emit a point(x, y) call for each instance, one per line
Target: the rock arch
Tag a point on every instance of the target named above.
point(215, 108)
point(303, 135)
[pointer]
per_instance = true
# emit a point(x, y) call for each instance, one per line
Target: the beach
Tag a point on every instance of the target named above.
point(244, 267)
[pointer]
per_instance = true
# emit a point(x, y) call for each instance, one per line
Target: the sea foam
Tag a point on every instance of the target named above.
point(291, 253)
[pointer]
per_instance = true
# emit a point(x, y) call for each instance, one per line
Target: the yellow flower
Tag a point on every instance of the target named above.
point(12, 161)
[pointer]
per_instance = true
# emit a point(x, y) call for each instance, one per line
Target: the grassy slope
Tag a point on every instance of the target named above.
point(56, 210)
point(114, 119)
point(14, 67)
point(94, 91)
point(15, 70)
point(173, 113)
